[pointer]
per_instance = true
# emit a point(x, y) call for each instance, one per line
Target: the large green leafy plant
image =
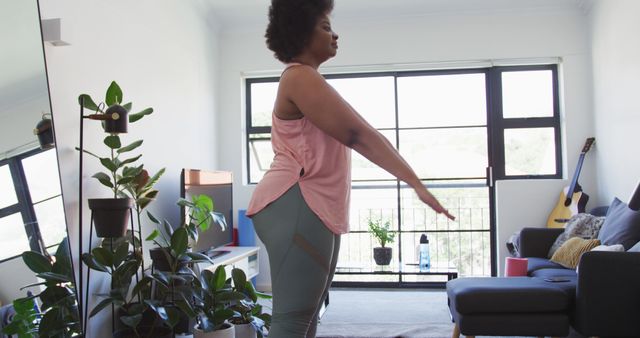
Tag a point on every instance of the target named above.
point(59, 315)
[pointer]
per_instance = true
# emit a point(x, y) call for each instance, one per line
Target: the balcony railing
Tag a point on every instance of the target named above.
point(464, 244)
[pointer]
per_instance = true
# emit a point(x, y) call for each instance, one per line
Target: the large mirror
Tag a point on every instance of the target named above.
point(31, 207)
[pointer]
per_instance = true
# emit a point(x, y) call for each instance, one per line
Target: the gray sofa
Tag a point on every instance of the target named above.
point(604, 295)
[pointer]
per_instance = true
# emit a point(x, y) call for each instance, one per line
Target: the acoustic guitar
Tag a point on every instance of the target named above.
point(572, 199)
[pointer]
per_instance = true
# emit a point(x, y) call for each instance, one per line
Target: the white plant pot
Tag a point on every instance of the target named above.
point(184, 335)
point(245, 331)
point(229, 332)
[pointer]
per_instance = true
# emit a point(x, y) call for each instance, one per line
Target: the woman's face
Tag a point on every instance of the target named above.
point(324, 41)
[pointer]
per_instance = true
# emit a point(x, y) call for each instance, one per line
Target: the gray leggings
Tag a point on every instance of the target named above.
point(302, 257)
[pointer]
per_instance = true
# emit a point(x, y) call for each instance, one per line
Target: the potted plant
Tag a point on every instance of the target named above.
point(136, 309)
point(381, 231)
point(143, 313)
point(173, 260)
point(111, 215)
point(214, 297)
point(248, 318)
point(200, 215)
point(58, 314)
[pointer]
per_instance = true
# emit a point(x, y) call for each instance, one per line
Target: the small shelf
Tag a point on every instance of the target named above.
point(241, 257)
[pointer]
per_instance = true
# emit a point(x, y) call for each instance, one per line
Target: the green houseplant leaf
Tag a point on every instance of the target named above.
point(114, 94)
point(113, 141)
point(137, 116)
point(87, 102)
point(36, 262)
point(130, 147)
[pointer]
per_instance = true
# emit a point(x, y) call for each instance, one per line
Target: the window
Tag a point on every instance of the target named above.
point(31, 208)
point(518, 106)
point(453, 127)
point(526, 122)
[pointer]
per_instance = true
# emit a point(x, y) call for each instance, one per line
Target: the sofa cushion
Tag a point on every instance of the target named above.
point(635, 248)
point(568, 255)
point(561, 272)
point(537, 263)
point(621, 226)
point(614, 248)
point(505, 295)
point(580, 225)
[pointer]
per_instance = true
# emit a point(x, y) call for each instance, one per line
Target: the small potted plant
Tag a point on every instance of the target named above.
point(111, 215)
point(382, 232)
point(248, 318)
point(214, 298)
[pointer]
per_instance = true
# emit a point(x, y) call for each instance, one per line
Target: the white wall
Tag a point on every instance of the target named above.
point(616, 78)
point(427, 39)
point(164, 55)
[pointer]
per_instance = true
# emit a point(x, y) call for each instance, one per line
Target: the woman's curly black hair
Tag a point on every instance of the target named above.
point(291, 24)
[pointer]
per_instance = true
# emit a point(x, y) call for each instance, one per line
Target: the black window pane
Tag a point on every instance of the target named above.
point(260, 156)
point(263, 96)
point(41, 172)
point(51, 222)
point(13, 238)
point(446, 153)
point(371, 97)
point(530, 151)
point(527, 94)
point(442, 100)
point(7, 189)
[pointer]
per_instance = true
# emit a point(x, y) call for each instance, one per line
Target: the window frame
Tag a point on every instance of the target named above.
point(496, 123)
point(25, 205)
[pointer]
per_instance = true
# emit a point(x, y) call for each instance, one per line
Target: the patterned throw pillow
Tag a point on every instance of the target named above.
point(568, 255)
point(581, 225)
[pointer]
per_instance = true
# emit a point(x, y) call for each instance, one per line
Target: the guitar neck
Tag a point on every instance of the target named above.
point(634, 202)
point(576, 174)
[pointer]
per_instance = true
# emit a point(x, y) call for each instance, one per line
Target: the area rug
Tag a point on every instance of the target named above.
point(385, 330)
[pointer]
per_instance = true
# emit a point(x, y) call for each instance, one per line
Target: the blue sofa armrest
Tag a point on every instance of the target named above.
point(536, 242)
point(607, 294)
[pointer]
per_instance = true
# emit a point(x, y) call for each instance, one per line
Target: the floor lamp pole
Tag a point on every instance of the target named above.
point(79, 289)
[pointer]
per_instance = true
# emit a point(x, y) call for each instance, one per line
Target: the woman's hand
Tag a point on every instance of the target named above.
point(426, 197)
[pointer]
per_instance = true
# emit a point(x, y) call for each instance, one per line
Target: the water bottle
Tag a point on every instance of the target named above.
point(424, 261)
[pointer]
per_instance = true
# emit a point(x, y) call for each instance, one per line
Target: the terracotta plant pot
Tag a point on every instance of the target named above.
point(111, 216)
point(382, 256)
point(245, 331)
point(227, 332)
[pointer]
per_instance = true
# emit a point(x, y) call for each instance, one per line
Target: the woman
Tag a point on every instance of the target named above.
point(300, 207)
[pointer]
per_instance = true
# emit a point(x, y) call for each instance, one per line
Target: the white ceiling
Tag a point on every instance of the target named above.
point(234, 13)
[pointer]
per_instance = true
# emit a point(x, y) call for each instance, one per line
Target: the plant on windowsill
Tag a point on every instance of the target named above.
point(58, 314)
point(111, 215)
point(382, 232)
point(248, 318)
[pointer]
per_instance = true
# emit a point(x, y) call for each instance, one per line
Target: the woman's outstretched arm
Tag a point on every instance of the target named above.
point(324, 107)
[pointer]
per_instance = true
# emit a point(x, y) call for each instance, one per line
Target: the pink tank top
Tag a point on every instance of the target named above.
point(317, 162)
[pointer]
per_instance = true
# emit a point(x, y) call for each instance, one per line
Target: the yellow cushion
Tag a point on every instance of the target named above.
point(568, 255)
